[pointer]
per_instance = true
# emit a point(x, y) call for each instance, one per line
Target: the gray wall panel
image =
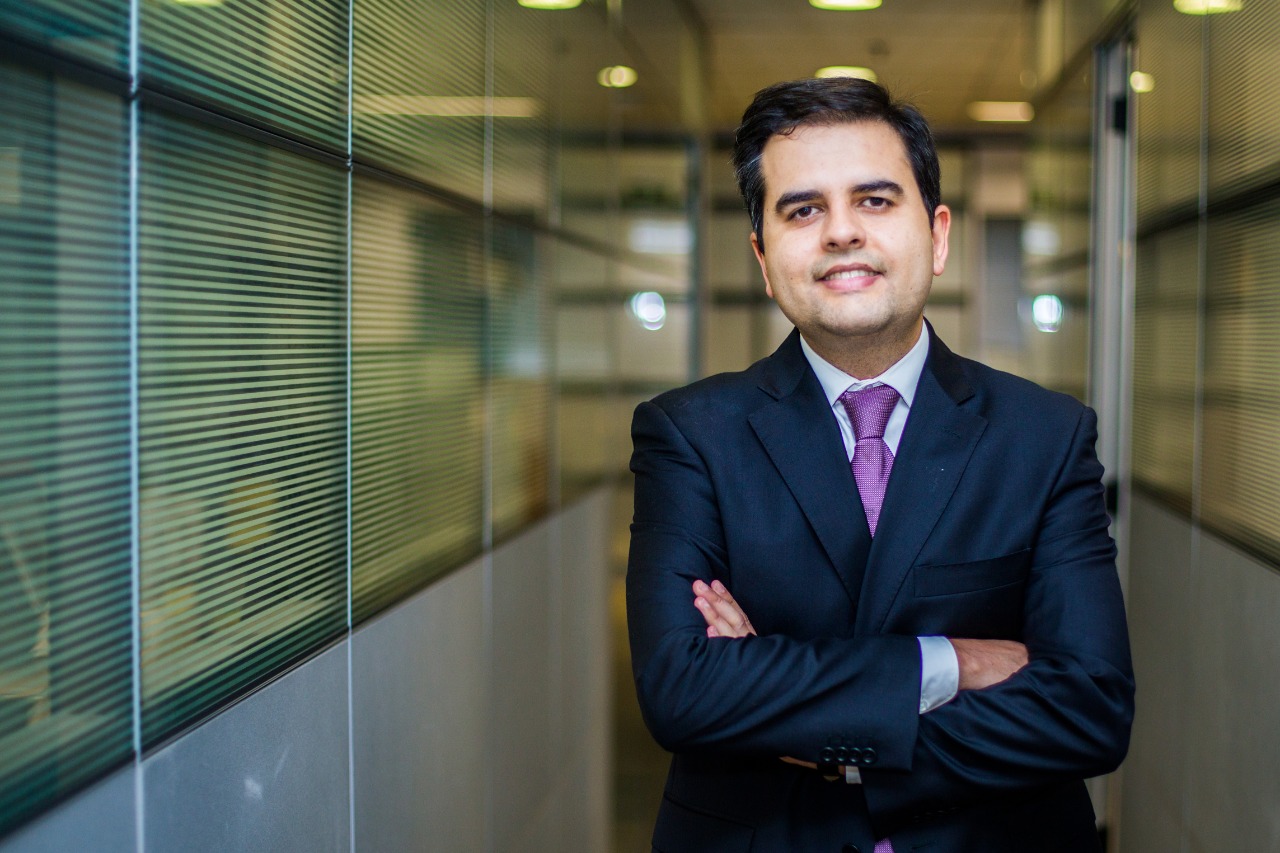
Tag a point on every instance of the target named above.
point(269, 774)
point(104, 813)
point(1201, 772)
point(419, 700)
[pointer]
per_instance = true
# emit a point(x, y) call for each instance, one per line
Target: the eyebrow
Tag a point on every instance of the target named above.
point(886, 187)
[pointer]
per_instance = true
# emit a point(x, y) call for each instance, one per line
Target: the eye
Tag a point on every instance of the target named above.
point(876, 202)
point(803, 212)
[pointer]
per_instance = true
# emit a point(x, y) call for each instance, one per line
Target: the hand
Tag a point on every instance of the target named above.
point(987, 662)
point(724, 617)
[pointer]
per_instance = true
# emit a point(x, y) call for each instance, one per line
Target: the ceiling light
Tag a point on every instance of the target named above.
point(1001, 111)
point(1047, 312)
point(1141, 81)
point(845, 5)
point(846, 71)
point(1207, 7)
point(617, 76)
point(446, 105)
point(550, 4)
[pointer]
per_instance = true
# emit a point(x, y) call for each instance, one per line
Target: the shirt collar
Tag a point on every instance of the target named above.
point(903, 376)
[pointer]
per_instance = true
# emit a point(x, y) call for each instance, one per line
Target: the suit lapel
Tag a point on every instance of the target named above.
point(936, 445)
point(801, 436)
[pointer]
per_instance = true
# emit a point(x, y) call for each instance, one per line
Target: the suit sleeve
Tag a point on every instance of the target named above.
point(767, 696)
point(1067, 714)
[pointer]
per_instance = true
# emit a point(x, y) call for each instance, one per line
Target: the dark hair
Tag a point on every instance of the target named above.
point(783, 107)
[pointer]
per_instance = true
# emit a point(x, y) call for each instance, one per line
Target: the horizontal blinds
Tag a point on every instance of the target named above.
point(96, 30)
point(1240, 468)
point(1244, 104)
point(519, 359)
point(522, 86)
point(283, 63)
point(65, 570)
point(419, 90)
point(1168, 117)
point(242, 396)
point(417, 480)
point(1164, 364)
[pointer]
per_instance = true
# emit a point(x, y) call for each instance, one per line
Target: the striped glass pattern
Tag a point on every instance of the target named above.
point(418, 415)
point(242, 397)
point(1168, 117)
point(282, 63)
point(1240, 467)
point(96, 30)
point(1243, 101)
point(65, 568)
point(519, 374)
point(522, 85)
point(1164, 365)
point(419, 90)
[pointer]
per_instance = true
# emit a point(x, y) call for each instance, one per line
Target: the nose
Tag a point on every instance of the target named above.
point(842, 228)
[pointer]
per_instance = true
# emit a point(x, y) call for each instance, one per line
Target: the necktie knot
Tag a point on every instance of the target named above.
point(869, 410)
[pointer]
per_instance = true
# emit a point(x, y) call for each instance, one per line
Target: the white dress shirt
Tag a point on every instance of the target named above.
point(939, 668)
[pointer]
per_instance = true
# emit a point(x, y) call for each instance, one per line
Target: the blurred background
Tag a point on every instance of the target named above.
point(321, 324)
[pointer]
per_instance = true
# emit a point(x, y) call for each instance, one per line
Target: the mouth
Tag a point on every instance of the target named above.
point(849, 276)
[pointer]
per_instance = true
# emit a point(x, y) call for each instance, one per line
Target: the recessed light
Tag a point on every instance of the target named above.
point(550, 4)
point(1207, 7)
point(1001, 111)
point(846, 71)
point(845, 5)
point(1141, 81)
point(617, 76)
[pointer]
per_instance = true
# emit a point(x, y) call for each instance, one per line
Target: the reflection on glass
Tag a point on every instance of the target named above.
point(242, 397)
point(65, 667)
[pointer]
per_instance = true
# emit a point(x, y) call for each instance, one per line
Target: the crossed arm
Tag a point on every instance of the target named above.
point(983, 663)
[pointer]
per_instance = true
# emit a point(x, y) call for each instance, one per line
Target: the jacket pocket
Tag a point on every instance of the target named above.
point(974, 576)
point(684, 830)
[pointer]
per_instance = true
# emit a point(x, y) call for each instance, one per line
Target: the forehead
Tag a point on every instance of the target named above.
point(823, 156)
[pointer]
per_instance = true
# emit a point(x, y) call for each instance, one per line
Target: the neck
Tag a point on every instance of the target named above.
point(865, 357)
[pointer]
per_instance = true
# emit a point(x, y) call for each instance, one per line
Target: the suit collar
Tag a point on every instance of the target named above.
point(937, 443)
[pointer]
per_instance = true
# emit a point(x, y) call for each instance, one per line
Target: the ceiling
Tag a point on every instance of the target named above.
point(939, 54)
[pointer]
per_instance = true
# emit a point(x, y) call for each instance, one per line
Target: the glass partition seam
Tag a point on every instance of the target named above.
point(135, 529)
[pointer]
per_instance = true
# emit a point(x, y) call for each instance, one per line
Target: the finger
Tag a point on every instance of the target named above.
point(712, 632)
point(713, 618)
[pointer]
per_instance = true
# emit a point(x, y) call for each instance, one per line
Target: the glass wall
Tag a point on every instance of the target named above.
point(303, 305)
point(1206, 403)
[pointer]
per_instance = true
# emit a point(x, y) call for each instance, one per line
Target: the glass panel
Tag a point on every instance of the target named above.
point(1164, 365)
point(280, 62)
point(97, 30)
point(65, 652)
point(1168, 116)
point(1244, 104)
point(417, 403)
point(242, 397)
point(1240, 464)
point(522, 106)
point(519, 356)
point(419, 105)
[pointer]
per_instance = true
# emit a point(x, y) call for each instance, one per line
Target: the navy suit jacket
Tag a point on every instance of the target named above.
point(993, 526)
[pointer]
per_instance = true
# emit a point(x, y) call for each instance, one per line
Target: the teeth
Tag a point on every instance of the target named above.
point(852, 274)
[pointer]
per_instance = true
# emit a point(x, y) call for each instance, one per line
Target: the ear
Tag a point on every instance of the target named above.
point(764, 270)
point(941, 232)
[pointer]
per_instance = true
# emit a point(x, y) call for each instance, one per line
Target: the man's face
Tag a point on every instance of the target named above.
point(848, 249)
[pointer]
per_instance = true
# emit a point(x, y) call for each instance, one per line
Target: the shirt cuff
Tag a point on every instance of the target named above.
point(939, 673)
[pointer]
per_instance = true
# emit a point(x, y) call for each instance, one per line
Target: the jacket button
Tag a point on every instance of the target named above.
point(827, 756)
point(850, 848)
point(842, 755)
point(868, 756)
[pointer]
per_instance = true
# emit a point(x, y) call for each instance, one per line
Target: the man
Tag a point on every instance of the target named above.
point(872, 597)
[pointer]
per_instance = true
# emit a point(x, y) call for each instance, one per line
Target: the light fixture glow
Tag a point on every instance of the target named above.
point(550, 4)
point(1047, 312)
point(446, 105)
point(857, 71)
point(1141, 82)
point(1207, 7)
point(650, 309)
point(1001, 111)
point(617, 76)
point(845, 5)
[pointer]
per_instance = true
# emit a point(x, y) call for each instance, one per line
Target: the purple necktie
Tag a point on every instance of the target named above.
point(869, 411)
